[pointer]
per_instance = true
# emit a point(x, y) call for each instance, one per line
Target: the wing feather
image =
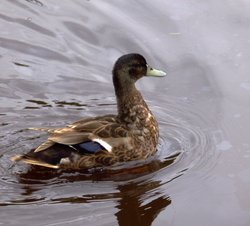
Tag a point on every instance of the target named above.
point(103, 130)
point(45, 145)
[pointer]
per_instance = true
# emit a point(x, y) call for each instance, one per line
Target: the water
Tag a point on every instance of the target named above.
point(56, 58)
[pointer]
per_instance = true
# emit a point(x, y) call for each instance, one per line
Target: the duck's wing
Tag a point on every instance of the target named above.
point(103, 130)
point(81, 122)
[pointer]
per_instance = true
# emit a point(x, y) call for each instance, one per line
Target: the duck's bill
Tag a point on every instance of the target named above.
point(154, 72)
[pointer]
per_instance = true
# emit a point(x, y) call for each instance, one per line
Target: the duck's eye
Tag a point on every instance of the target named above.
point(136, 65)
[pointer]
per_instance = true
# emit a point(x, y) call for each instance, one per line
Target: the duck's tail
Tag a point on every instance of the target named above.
point(51, 157)
point(29, 160)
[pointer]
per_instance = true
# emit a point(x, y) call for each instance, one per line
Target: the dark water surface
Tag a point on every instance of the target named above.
point(56, 59)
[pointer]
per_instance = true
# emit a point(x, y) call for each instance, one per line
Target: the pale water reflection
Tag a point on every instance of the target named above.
point(56, 59)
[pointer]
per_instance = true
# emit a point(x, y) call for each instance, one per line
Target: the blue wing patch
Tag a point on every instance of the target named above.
point(90, 147)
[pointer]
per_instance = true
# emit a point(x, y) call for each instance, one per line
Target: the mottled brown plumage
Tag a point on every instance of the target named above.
point(132, 134)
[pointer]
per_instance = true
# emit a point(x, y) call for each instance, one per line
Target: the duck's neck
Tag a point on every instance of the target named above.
point(131, 106)
point(134, 113)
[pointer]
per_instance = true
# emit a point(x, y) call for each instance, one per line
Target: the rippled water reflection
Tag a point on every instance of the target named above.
point(56, 59)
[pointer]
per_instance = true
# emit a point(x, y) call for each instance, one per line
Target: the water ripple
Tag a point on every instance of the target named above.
point(187, 131)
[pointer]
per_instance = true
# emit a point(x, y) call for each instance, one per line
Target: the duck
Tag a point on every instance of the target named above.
point(108, 140)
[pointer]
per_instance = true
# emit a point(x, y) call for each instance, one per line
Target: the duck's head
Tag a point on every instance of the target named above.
point(131, 67)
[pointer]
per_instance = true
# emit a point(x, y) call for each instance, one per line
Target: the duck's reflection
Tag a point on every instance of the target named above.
point(131, 206)
point(138, 201)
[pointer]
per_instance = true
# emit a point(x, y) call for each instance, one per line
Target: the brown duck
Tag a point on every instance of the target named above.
point(106, 140)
